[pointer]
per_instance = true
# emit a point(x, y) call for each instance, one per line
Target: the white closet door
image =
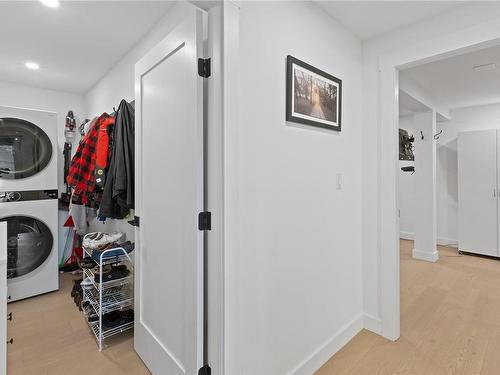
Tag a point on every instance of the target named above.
point(477, 192)
point(169, 196)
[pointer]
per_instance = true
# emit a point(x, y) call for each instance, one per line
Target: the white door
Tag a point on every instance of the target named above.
point(477, 192)
point(169, 196)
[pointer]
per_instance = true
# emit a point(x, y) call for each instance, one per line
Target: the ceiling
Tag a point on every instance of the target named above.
point(456, 84)
point(408, 105)
point(75, 44)
point(368, 19)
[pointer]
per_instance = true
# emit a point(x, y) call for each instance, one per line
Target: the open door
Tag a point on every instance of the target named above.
point(169, 197)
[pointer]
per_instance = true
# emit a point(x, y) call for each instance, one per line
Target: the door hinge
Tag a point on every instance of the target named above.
point(205, 220)
point(205, 370)
point(204, 67)
point(136, 221)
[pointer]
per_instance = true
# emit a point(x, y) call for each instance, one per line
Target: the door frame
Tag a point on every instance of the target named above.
point(486, 34)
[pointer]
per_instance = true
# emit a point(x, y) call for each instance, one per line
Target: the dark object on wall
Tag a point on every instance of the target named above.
point(406, 146)
point(313, 97)
point(69, 135)
point(436, 136)
point(410, 168)
point(118, 195)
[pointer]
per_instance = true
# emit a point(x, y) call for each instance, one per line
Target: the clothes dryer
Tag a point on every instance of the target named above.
point(32, 252)
point(28, 149)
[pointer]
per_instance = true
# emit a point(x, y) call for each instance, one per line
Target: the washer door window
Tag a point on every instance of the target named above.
point(29, 243)
point(25, 149)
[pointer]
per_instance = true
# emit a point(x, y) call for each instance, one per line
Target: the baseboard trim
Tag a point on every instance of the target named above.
point(425, 255)
point(406, 236)
point(326, 350)
point(372, 324)
point(441, 241)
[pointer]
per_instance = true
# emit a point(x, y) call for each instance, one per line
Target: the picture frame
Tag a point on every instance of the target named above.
point(313, 97)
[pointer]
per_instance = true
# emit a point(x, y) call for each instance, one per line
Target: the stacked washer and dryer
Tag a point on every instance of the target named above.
point(28, 200)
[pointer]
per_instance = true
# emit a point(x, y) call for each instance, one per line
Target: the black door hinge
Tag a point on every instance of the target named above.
point(136, 221)
point(204, 67)
point(205, 370)
point(205, 220)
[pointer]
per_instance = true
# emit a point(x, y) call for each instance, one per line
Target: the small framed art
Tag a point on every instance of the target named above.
point(313, 97)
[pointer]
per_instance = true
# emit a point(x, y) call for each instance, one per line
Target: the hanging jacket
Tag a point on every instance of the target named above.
point(118, 195)
point(81, 172)
point(103, 151)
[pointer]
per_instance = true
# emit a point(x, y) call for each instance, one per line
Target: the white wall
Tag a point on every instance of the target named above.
point(462, 119)
point(446, 176)
point(424, 32)
point(118, 84)
point(294, 272)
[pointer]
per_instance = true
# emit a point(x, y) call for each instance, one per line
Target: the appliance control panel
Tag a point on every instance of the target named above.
point(28, 195)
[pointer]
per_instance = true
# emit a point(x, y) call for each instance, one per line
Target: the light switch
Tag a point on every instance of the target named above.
point(339, 181)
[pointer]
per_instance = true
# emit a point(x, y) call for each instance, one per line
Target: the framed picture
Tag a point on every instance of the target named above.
point(313, 97)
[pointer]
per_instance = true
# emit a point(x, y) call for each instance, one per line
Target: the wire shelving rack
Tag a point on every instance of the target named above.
point(102, 298)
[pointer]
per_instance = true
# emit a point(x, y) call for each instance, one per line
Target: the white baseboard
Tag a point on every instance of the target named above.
point(406, 235)
point(372, 324)
point(326, 350)
point(441, 241)
point(425, 255)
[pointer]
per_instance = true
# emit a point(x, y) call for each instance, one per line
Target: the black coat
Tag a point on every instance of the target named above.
point(118, 194)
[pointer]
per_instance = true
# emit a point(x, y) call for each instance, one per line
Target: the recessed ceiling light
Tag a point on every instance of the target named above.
point(50, 3)
point(32, 65)
point(482, 68)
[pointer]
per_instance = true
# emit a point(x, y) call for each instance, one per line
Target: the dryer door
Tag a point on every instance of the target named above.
point(25, 149)
point(29, 244)
point(28, 149)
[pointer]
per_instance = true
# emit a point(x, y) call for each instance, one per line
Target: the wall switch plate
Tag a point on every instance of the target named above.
point(339, 181)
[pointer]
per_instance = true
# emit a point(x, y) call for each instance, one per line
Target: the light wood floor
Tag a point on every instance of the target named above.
point(450, 322)
point(52, 338)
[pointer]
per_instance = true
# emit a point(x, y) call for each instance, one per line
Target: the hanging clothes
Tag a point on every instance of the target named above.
point(118, 195)
point(81, 173)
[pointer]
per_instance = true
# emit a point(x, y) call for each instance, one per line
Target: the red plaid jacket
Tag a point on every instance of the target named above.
point(81, 171)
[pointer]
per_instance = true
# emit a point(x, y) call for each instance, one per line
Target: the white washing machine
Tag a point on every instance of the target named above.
point(28, 149)
point(28, 199)
point(32, 264)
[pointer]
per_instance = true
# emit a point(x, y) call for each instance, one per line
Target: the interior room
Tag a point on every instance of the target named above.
point(215, 187)
point(448, 116)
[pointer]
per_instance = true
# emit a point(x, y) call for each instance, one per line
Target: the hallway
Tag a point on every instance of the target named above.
point(450, 321)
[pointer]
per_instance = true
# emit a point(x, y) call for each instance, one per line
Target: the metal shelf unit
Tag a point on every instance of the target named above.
point(105, 297)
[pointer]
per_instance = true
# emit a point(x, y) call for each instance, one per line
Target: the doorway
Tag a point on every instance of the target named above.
point(390, 66)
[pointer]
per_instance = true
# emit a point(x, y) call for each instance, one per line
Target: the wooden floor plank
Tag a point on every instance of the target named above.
point(450, 321)
point(51, 337)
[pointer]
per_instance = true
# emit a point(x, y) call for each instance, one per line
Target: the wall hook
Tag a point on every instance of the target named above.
point(436, 136)
point(421, 134)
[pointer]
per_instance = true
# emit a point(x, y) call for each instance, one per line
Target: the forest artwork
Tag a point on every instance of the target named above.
point(313, 97)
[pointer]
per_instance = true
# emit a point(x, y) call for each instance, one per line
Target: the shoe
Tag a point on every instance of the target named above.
point(117, 318)
point(88, 262)
point(104, 239)
point(87, 283)
point(106, 270)
point(111, 320)
point(127, 246)
point(91, 237)
point(115, 273)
